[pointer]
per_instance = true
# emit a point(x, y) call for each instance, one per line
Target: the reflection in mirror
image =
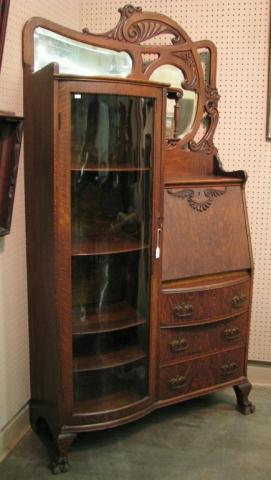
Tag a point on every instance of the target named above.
point(78, 58)
point(188, 103)
point(204, 54)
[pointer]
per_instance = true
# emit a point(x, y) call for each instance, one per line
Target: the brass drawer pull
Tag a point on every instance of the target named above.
point(178, 345)
point(231, 333)
point(238, 301)
point(229, 368)
point(183, 310)
point(177, 383)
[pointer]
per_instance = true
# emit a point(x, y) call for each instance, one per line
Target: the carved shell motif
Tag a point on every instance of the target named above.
point(142, 29)
point(199, 200)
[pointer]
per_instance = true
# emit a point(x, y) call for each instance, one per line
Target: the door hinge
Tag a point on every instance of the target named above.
point(59, 120)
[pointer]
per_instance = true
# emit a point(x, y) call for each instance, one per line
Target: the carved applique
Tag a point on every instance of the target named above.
point(199, 200)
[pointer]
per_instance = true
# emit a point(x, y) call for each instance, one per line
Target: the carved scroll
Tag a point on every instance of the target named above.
point(206, 144)
point(188, 59)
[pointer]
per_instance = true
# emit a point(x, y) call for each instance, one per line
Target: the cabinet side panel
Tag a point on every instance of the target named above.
point(39, 151)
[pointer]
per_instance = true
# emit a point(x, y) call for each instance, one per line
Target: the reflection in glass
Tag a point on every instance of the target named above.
point(78, 58)
point(188, 103)
point(111, 191)
point(111, 131)
point(205, 58)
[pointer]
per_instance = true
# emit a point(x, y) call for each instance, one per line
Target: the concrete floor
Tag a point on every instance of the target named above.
point(203, 439)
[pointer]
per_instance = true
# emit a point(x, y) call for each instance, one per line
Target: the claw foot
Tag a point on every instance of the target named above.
point(242, 392)
point(60, 465)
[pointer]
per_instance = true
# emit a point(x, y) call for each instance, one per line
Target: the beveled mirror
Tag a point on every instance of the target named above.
point(78, 58)
point(187, 104)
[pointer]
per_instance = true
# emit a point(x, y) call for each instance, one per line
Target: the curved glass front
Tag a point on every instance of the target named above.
point(78, 58)
point(111, 182)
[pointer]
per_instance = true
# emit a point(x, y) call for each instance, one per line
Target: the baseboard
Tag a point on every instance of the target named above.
point(12, 433)
point(259, 373)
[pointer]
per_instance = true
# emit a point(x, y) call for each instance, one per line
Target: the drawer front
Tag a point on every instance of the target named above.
point(203, 306)
point(178, 343)
point(201, 373)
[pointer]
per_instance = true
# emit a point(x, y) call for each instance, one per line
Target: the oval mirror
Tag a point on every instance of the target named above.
point(188, 103)
point(78, 58)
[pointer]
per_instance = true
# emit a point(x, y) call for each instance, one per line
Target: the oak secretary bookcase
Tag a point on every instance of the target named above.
point(139, 260)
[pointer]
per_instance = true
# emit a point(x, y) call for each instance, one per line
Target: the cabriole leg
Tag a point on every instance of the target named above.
point(242, 392)
point(63, 443)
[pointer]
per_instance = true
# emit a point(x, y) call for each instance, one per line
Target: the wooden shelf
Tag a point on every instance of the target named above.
point(110, 359)
point(118, 316)
point(108, 402)
point(106, 244)
point(111, 168)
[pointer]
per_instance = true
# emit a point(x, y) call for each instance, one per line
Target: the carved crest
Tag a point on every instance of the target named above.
point(199, 200)
point(142, 28)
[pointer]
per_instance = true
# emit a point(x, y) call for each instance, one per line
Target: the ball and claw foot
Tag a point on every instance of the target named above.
point(243, 403)
point(60, 465)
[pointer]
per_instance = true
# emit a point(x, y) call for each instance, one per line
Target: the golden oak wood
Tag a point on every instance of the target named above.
point(201, 283)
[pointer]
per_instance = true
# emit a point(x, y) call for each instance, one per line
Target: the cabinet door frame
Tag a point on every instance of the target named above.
point(62, 189)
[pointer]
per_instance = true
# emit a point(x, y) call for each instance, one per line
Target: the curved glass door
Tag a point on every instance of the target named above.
point(111, 202)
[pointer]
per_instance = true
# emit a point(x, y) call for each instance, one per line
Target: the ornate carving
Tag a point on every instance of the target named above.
point(199, 200)
point(206, 144)
point(188, 59)
point(141, 29)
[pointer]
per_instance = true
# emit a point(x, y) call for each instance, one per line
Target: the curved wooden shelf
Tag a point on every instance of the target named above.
point(106, 245)
point(118, 316)
point(108, 402)
point(101, 361)
point(111, 168)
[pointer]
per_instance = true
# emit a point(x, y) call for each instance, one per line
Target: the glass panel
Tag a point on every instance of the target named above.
point(111, 192)
point(77, 57)
point(188, 103)
point(111, 132)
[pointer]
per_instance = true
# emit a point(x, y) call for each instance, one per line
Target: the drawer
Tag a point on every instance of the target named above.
point(202, 306)
point(178, 343)
point(201, 373)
